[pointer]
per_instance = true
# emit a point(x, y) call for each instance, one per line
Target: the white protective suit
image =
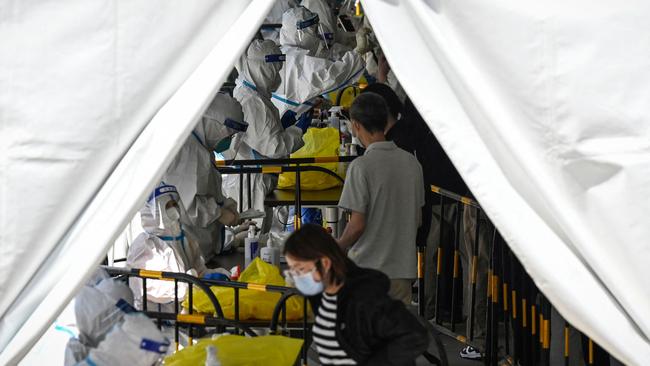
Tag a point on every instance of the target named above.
point(164, 247)
point(307, 72)
point(194, 174)
point(259, 75)
point(98, 308)
point(338, 41)
point(136, 341)
point(275, 17)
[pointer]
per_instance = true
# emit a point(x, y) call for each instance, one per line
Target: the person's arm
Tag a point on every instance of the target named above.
point(354, 199)
point(317, 76)
point(265, 133)
point(403, 337)
point(382, 70)
point(353, 230)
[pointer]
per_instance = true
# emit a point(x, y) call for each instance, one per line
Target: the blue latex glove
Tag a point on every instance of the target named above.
point(304, 121)
point(216, 276)
point(288, 119)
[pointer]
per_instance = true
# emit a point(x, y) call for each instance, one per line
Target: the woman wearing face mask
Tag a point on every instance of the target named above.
point(356, 322)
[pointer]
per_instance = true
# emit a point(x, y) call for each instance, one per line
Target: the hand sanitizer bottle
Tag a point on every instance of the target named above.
point(251, 246)
point(270, 254)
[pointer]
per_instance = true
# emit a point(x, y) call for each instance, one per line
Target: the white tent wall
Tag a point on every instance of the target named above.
point(543, 108)
point(96, 97)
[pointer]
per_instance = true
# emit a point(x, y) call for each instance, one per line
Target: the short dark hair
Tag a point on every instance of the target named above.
point(371, 111)
point(310, 243)
point(392, 100)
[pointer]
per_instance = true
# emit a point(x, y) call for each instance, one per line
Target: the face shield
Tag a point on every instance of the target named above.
point(162, 212)
point(310, 33)
point(229, 128)
point(273, 63)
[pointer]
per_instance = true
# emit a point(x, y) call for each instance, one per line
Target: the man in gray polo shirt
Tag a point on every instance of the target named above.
point(384, 194)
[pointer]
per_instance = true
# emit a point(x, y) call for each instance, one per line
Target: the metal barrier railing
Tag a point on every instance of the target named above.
point(278, 166)
point(217, 319)
point(517, 322)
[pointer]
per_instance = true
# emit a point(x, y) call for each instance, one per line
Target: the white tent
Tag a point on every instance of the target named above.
point(540, 106)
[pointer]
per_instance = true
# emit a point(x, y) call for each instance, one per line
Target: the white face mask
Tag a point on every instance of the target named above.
point(171, 220)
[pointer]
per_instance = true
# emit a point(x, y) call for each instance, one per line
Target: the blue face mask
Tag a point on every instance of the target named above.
point(223, 145)
point(307, 285)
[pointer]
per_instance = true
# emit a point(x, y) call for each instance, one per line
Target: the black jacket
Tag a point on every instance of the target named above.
point(411, 133)
point(372, 328)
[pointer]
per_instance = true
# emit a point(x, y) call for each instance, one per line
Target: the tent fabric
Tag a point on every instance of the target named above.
point(96, 97)
point(542, 107)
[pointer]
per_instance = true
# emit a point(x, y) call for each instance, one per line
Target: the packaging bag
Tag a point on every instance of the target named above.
point(252, 304)
point(319, 142)
point(235, 350)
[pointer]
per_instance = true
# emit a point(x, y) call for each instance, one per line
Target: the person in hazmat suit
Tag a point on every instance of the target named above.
point(164, 247)
point(275, 17)
point(102, 304)
point(193, 172)
point(337, 41)
point(259, 69)
point(308, 72)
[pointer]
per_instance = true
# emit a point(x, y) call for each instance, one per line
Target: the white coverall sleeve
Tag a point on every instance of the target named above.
point(146, 254)
point(190, 170)
point(195, 257)
point(314, 76)
point(265, 133)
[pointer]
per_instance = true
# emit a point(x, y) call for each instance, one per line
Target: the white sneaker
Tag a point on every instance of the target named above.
point(470, 353)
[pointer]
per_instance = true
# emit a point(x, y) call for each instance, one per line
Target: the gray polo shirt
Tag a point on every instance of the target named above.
point(386, 186)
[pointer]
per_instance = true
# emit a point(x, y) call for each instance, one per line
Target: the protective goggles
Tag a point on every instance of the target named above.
point(302, 24)
point(154, 346)
point(275, 58)
point(160, 190)
point(236, 125)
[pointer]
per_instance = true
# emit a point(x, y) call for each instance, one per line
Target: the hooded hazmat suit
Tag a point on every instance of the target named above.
point(307, 72)
point(100, 305)
point(275, 17)
point(136, 341)
point(258, 70)
point(164, 247)
point(193, 173)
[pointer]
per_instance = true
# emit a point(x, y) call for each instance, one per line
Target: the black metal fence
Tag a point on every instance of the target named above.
point(511, 321)
point(203, 324)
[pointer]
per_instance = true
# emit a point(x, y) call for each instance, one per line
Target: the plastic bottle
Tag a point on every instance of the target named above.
point(270, 253)
point(342, 167)
point(211, 356)
point(251, 246)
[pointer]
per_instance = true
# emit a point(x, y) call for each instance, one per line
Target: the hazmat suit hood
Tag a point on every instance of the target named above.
point(136, 341)
point(99, 308)
point(326, 17)
point(300, 29)
point(222, 119)
point(255, 66)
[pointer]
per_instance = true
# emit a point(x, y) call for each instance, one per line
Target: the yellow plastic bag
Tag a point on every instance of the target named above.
point(348, 93)
point(241, 351)
point(252, 304)
point(318, 142)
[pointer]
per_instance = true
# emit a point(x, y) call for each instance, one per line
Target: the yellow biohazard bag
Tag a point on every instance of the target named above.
point(319, 142)
point(253, 304)
point(345, 96)
point(235, 350)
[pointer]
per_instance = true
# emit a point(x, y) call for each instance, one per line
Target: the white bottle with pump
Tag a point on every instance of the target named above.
point(251, 246)
point(270, 254)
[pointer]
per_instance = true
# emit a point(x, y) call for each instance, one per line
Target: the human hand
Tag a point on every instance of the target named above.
point(229, 217)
